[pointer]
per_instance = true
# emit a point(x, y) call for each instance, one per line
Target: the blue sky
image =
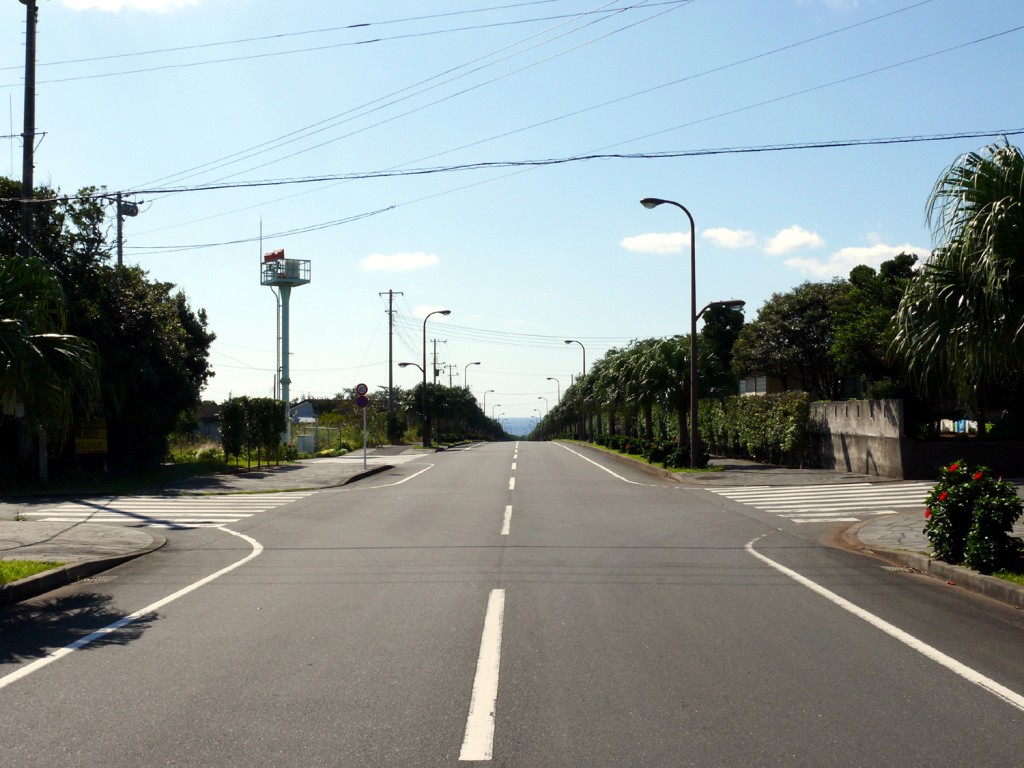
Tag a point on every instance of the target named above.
point(162, 97)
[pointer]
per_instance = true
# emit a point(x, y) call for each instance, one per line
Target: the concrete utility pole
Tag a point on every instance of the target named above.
point(28, 136)
point(391, 348)
point(123, 209)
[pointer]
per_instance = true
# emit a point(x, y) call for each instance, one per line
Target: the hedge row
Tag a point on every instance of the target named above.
point(765, 428)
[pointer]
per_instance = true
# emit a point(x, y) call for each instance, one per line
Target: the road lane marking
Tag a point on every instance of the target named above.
point(513, 466)
point(131, 618)
point(387, 485)
point(478, 741)
point(508, 521)
point(511, 483)
point(1012, 698)
point(620, 477)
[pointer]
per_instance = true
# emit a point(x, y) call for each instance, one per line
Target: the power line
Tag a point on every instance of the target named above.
point(321, 30)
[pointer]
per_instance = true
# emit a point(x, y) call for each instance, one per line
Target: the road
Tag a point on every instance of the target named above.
point(525, 604)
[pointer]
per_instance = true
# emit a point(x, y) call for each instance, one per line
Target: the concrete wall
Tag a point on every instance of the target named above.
point(862, 436)
point(866, 436)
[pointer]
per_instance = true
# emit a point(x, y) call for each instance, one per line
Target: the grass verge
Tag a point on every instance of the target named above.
point(13, 570)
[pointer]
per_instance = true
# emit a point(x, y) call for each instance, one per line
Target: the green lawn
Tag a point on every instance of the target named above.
point(12, 570)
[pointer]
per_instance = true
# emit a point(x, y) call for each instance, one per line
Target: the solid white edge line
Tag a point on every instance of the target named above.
point(478, 741)
point(620, 477)
point(506, 525)
point(1012, 698)
point(60, 653)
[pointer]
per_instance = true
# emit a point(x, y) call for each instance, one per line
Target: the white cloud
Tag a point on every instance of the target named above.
point(840, 263)
point(656, 242)
point(792, 238)
point(730, 238)
point(398, 262)
point(156, 6)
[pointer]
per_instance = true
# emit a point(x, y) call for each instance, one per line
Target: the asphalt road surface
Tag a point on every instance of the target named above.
point(514, 605)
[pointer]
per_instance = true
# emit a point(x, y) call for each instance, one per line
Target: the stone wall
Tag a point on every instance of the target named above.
point(861, 436)
point(867, 436)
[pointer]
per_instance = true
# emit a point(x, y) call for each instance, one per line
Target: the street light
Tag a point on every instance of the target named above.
point(495, 407)
point(465, 373)
point(484, 406)
point(546, 406)
point(558, 388)
point(573, 341)
point(730, 303)
point(426, 402)
point(654, 202)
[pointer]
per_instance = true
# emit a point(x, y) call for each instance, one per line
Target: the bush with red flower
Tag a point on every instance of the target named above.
point(969, 517)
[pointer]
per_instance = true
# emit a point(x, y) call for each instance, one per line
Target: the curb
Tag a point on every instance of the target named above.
point(955, 575)
point(41, 583)
point(363, 475)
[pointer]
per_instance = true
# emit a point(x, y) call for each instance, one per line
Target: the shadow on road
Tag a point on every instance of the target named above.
point(33, 630)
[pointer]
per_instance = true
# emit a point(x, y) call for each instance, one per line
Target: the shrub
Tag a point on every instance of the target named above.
point(969, 517)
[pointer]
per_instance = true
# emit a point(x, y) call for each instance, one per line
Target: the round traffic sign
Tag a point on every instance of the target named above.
point(362, 401)
point(362, 389)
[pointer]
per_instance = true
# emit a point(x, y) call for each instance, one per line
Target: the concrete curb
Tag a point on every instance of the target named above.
point(41, 583)
point(990, 586)
point(367, 473)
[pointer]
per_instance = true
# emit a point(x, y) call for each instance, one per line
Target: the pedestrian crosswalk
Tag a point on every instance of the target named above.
point(170, 512)
point(841, 503)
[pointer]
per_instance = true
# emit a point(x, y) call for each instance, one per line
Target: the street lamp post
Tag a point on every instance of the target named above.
point(654, 202)
point(546, 406)
point(494, 408)
point(484, 406)
point(426, 401)
point(558, 388)
point(465, 374)
point(573, 341)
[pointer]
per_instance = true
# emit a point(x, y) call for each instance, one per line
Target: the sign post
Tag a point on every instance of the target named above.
point(362, 401)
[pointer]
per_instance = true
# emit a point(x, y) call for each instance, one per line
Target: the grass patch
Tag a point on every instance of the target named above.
point(13, 570)
point(1015, 576)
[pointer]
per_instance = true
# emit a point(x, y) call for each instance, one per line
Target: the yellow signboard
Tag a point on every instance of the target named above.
point(91, 437)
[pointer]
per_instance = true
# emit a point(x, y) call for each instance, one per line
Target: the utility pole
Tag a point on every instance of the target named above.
point(391, 348)
point(28, 136)
point(123, 209)
point(435, 341)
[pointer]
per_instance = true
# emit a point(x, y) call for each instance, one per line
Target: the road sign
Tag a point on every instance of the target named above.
point(362, 389)
point(362, 401)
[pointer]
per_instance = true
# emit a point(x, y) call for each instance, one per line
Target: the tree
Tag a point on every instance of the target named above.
point(960, 325)
point(42, 368)
point(792, 338)
point(864, 327)
point(152, 349)
point(714, 351)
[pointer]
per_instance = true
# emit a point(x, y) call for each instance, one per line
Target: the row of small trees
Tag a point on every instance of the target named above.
point(252, 426)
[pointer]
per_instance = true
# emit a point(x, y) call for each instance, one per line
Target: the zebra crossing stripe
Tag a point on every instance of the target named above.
point(167, 511)
point(831, 503)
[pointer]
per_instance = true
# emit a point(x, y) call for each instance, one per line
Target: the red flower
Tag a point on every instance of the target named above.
point(943, 495)
point(954, 467)
point(928, 514)
point(977, 475)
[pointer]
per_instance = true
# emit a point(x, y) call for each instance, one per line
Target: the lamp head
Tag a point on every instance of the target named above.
point(652, 202)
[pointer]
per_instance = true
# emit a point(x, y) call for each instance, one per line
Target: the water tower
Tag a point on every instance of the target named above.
point(277, 271)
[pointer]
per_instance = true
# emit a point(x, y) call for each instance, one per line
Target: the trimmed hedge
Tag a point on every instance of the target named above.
point(766, 428)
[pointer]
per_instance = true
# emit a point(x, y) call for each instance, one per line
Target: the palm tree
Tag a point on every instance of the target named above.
point(960, 325)
point(42, 369)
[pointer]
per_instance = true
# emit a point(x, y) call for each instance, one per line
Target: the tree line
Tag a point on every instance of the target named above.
point(945, 333)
